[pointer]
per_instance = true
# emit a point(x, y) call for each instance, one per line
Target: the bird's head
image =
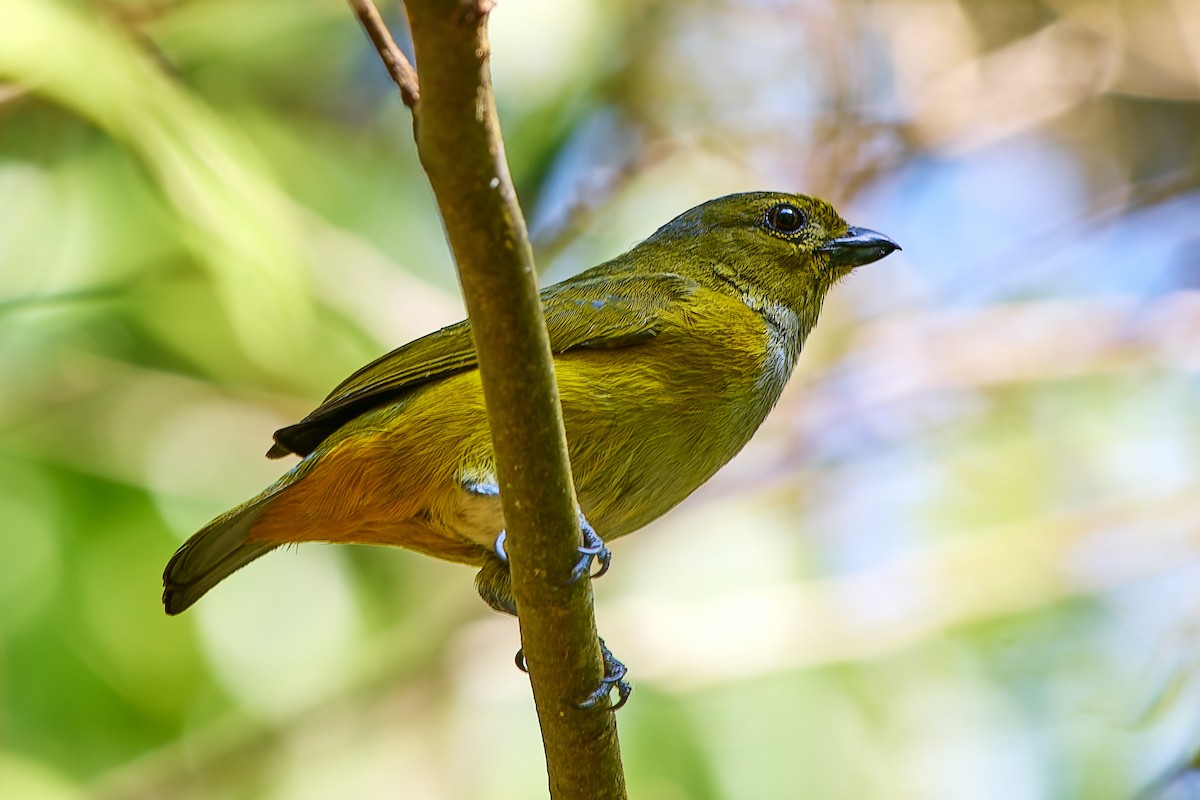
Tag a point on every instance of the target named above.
point(784, 248)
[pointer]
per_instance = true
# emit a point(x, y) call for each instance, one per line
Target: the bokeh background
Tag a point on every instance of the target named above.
point(959, 561)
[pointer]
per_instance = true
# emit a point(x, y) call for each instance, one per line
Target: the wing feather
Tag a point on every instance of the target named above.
point(595, 309)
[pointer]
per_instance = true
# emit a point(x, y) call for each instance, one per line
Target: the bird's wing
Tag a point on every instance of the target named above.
point(595, 309)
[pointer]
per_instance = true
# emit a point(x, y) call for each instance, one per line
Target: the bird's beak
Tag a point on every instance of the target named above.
point(859, 246)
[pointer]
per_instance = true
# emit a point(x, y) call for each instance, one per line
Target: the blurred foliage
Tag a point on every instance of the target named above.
point(960, 560)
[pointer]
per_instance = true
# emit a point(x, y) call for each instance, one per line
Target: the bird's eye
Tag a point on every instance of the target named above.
point(785, 218)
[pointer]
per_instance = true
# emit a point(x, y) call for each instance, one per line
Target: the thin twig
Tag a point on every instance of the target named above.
point(394, 60)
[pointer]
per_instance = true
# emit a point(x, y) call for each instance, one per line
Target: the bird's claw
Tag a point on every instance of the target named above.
point(614, 678)
point(593, 549)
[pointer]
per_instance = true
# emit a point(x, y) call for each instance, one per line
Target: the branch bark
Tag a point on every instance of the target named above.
point(460, 146)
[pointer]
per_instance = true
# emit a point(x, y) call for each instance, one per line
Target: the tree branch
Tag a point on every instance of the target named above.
point(460, 146)
point(402, 72)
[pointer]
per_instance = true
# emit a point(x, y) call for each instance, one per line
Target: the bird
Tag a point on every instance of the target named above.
point(668, 358)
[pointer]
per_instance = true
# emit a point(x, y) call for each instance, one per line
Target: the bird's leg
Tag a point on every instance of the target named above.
point(614, 678)
point(593, 549)
point(494, 584)
point(507, 600)
point(485, 487)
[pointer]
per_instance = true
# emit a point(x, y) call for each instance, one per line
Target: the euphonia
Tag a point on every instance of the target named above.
point(668, 358)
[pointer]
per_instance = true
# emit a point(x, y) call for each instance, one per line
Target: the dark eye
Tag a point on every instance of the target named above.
point(785, 218)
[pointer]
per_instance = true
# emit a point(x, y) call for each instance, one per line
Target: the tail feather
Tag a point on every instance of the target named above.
point(213, 553)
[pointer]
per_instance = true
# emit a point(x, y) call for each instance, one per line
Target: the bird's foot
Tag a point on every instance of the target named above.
point(614, 678)
point(593, 549)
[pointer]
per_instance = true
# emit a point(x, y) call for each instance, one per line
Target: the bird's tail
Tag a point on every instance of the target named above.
point(213, 553)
